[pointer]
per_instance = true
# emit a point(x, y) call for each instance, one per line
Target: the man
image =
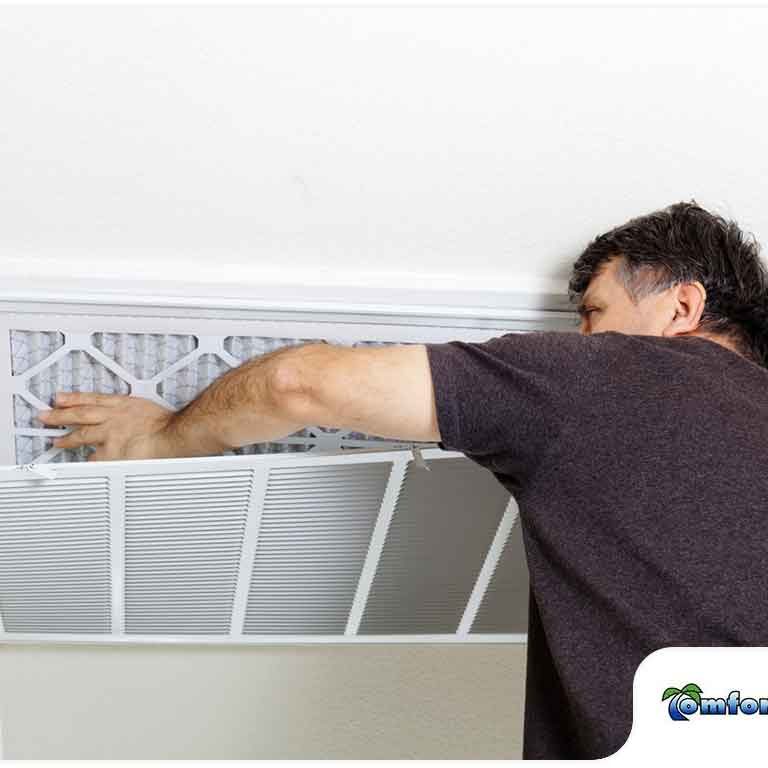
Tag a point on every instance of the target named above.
point(635, 449)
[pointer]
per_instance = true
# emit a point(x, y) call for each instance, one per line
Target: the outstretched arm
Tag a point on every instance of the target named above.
point(383, 391)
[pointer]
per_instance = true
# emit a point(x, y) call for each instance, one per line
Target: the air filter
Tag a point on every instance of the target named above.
point(171, 369)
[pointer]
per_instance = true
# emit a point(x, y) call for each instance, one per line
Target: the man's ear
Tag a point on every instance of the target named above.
point(689, 302)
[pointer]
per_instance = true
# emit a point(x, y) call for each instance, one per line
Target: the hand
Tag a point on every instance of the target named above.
point(120, 426)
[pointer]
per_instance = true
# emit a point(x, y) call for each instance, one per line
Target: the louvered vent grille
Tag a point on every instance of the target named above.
point(241, 548)
point(55, 556)
point(505, 604)
point(314, 534)
point(183, 543)
point(437, 543)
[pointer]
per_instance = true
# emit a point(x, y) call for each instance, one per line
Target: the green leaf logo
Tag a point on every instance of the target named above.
point(694, 692)
point(669, 692)
point(691, 689)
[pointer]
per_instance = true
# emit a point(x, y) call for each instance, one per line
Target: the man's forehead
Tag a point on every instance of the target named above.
point(592, 293)
point(602, 283)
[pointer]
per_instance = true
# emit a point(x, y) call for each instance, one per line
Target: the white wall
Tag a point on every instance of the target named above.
point(436, 147)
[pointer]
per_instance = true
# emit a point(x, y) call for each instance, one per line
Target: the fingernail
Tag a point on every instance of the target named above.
point(42, 415)
point(60, 397)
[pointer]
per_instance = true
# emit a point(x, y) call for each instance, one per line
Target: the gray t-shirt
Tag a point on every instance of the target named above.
point(639, 467)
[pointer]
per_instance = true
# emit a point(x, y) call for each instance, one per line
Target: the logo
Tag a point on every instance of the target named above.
point(689, 701)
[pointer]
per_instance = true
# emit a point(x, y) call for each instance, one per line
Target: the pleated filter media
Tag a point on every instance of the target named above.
point(324, 534)
point(171, 369)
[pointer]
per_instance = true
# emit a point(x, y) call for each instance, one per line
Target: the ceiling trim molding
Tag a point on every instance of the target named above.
point(437, 299)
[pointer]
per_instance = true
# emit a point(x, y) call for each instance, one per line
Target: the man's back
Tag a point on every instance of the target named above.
point(637, 464)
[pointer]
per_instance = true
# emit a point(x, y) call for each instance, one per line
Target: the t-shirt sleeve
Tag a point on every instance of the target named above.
point(503, 402)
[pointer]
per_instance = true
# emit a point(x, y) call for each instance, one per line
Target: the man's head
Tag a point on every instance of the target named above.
point(681, 271)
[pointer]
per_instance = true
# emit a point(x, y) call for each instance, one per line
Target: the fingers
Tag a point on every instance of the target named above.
point(88, 435)
point(79, 414)
point(68, 399)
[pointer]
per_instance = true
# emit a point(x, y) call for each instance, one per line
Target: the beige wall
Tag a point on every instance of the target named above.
point(204, 702)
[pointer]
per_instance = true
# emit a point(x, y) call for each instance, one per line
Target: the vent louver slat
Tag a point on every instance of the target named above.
point(180, 575)
point(314, 533)
point(435, 548)
point(54, 556)
point(505, 605)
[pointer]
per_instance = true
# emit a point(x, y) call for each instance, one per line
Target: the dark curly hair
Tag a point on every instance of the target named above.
point(685, 243)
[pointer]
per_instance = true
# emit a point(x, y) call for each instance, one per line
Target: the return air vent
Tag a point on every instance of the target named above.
point(324, 535)
point(268, 548)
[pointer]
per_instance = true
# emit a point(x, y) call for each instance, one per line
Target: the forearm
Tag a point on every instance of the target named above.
point(385, 392)
point(242, 407)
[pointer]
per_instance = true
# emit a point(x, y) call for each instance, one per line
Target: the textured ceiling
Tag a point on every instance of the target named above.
point(431, 148)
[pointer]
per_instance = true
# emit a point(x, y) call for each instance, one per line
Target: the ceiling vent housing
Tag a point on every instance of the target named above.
point(324, 535)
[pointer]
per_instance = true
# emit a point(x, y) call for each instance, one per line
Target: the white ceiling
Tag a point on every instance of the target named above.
point(431, 147)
